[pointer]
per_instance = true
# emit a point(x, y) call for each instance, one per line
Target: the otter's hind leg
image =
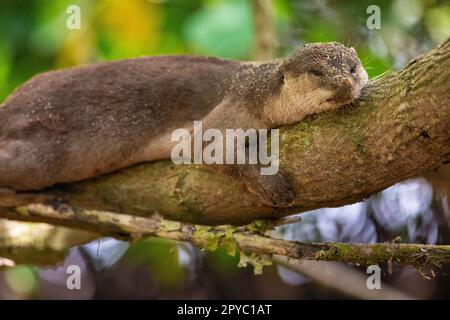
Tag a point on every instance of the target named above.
point(273, 190)
point(13, 176)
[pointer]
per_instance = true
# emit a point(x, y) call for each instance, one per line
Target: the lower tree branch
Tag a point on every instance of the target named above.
point(246, 239)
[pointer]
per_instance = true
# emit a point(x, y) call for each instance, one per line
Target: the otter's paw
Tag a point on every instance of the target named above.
point(273, 190)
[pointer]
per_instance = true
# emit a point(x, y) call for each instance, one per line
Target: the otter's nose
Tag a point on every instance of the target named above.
point(345, 91)
point(347, 83)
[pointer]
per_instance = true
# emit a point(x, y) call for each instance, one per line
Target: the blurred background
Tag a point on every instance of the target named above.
point(34, 38)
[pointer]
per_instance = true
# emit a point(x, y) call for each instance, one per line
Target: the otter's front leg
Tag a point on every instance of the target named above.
point(271, 186)
point(273, 190)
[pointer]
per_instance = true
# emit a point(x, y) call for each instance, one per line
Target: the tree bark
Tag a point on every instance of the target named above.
point(399, 128)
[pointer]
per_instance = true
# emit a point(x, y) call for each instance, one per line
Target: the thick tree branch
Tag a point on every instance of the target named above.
point(400, 128)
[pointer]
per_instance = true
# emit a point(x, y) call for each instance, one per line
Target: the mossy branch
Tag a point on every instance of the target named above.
point(248, 239)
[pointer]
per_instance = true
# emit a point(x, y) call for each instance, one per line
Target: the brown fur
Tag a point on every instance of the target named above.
point(70, 125)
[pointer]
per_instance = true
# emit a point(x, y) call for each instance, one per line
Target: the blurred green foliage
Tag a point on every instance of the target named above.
point(23, 280)
point(161, 257)
point(34, 36)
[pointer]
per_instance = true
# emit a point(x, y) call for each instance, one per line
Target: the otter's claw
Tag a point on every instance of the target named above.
point(274, 191)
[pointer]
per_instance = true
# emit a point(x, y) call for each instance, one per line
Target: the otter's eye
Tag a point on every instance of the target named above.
point(316, 72)
point(353, 70)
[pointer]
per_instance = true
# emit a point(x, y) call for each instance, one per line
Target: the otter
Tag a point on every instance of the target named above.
point(73, 124)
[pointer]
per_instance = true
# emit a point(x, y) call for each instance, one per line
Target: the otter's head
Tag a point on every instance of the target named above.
point(319, 77)
point(330, 66)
